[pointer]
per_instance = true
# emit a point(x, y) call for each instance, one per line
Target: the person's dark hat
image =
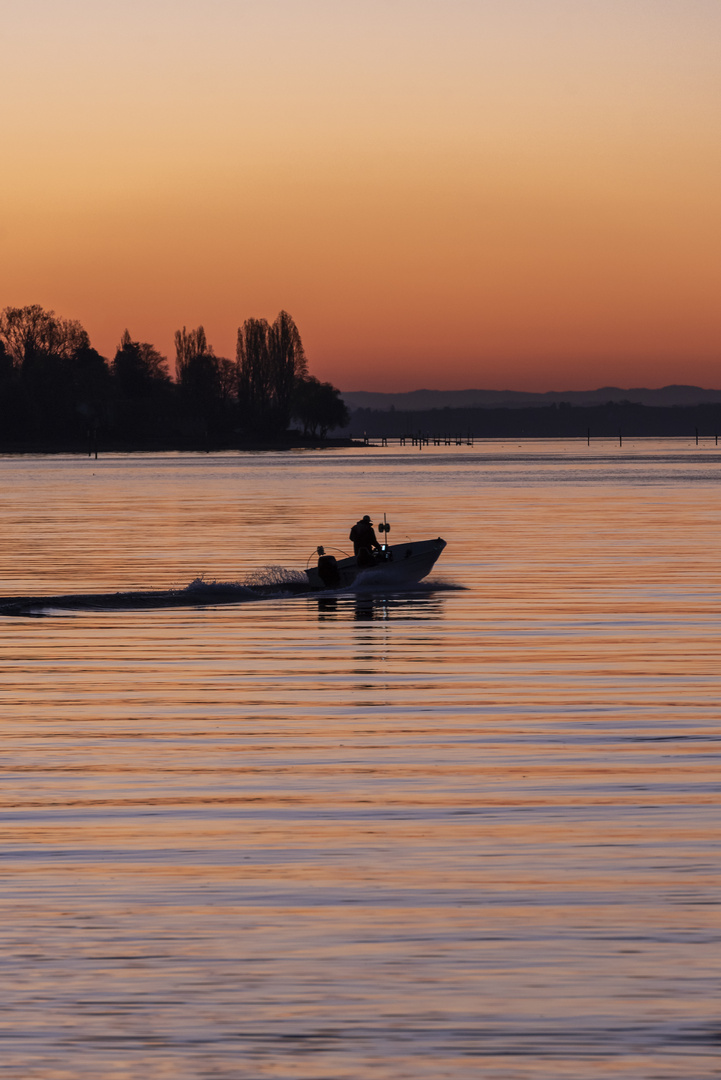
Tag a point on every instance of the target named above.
point(366, 517)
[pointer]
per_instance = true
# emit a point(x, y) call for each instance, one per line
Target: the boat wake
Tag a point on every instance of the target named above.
point(266, 583)
point(262, 584)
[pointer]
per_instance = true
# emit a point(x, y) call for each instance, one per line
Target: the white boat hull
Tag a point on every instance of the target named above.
point(399, 564)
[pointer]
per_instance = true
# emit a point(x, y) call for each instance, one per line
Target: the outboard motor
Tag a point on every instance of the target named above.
point(328, 569)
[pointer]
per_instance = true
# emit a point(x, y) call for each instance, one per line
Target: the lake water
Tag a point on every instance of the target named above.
point(469, 830)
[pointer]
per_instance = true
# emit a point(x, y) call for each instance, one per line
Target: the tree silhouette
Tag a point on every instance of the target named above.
point(142, 389)
point(287, 364)
point(206, 384)
point(55, 387)
point(31, 332)
point(58, 381)
point(318, 406)
point(12, 412)
point(254, 383)
point(137, 365)
point(189, 346)
point(270, 359)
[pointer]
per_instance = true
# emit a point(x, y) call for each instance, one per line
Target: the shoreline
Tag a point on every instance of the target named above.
point(165, 446)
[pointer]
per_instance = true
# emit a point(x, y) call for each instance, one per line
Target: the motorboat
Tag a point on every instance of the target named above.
point(395, 565)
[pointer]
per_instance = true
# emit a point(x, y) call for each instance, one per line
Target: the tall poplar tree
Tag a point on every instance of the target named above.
point(270, 359)
point(287, 364)
point(254, 383)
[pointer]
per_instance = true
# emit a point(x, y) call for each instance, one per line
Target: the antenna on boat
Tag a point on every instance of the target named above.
point(384, 527)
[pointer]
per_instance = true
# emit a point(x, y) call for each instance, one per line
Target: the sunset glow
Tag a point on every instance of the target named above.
point(512, 195)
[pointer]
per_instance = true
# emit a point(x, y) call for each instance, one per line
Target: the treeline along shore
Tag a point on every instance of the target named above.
point(557, 421)
point(57, 392)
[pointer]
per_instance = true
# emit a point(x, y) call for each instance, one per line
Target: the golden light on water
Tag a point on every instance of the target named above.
point(389, 833)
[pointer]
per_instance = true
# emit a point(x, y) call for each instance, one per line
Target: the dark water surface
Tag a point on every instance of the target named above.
point(467, 830)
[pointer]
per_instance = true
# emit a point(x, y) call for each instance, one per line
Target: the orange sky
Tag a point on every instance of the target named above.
point(486, 193)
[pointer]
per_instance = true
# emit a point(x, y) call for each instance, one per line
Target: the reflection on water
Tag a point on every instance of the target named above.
point(450, 832)
point(423, 602)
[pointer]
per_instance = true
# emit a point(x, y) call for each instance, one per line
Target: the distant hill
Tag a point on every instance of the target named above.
point(549, 420)
point(420, 400)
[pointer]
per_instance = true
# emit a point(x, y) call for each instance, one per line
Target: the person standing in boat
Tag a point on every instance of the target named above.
point(364, 541)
